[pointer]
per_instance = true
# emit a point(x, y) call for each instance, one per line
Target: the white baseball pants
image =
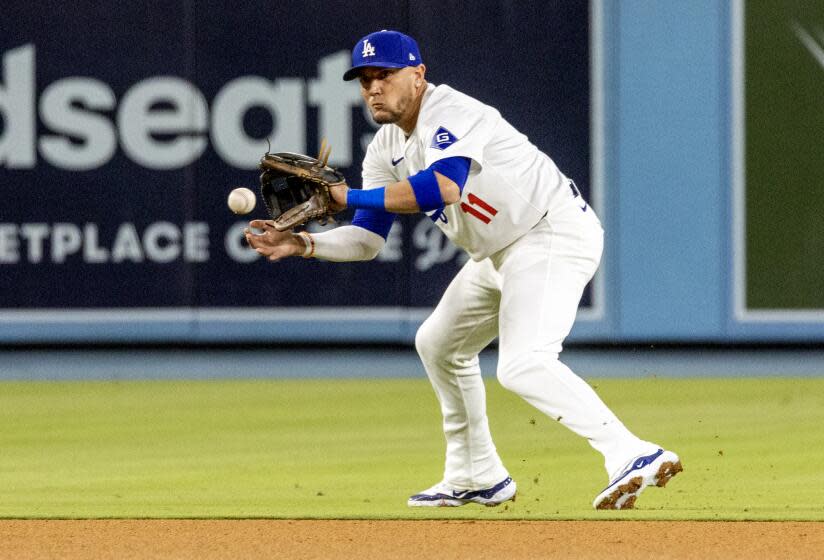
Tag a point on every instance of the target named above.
point(526, 294)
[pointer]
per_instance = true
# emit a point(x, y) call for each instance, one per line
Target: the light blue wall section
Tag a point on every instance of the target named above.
point(668, 176)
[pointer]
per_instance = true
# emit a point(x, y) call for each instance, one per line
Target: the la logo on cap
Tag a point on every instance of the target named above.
point(368, 49)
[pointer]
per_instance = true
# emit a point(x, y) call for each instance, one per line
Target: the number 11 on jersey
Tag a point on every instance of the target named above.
point(478, 208)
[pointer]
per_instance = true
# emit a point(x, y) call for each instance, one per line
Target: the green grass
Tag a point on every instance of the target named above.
point(751, 448)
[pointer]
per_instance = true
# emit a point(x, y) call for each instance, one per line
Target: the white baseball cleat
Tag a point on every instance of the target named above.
point(442, 495)
point(648, 470)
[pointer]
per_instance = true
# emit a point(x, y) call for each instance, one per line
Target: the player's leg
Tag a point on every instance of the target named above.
point(463, 323)
point(544, 275)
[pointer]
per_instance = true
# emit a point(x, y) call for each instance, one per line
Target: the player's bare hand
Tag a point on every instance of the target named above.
point(271, 243)
point(339, 193)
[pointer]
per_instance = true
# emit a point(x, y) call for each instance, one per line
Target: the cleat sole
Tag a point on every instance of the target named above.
point(625, 495)
point(666, 472)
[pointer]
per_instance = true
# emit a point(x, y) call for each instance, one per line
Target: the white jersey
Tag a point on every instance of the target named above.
point(511, 184)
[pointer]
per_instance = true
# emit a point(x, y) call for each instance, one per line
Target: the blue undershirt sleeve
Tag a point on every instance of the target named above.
point(376, 221)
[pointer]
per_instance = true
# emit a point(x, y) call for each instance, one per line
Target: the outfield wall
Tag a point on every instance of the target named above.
point(122, 133)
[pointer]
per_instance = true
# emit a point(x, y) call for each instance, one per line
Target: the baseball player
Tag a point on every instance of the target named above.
point(534, 245)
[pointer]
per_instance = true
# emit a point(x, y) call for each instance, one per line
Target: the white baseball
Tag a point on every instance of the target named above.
point(241, 200)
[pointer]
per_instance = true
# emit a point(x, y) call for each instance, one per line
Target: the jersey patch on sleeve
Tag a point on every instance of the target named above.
point(442, 139)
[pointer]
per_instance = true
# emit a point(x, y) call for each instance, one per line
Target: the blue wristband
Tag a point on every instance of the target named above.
point(366, 198)
point(426, 189)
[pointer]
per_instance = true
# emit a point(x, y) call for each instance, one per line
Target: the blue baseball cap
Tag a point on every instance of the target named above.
point(383, 49)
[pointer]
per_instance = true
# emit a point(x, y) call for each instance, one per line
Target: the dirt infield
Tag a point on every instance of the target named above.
point(207, 539)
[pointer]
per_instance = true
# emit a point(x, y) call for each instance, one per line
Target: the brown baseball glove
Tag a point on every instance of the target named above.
point(295, 187)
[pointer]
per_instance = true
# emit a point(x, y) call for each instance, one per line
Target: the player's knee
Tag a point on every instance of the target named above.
point(426, 341)
point(510, 370)
point(514, 371)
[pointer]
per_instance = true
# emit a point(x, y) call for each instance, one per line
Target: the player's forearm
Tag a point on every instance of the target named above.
point(400, 197)
point(343, 244)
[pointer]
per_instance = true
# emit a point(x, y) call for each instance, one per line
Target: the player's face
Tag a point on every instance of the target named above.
point(389, 93)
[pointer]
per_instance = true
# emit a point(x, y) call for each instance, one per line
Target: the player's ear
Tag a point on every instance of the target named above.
point(420, 73)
